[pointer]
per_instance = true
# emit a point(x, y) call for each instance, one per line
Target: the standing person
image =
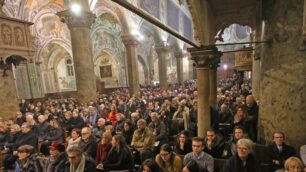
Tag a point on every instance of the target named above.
point(119, 157)
point(252, 117)
point(79, 162)
point(243, 160)
point(204, 160)
point(167, 160)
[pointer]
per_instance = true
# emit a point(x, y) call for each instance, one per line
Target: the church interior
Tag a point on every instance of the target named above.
point(53, 49)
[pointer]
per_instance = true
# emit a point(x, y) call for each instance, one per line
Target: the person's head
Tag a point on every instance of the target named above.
point(127, 125)
point(154, 117)
point(56, 148)
point(197, 145)
point(68, 115)
point(141, 124)
point(224, 108)
point(25, 151)
point(54, 123)
point(211, 134)
point(278, 138)
point(75, 133)
point(293, 164)
point(119, 116)
point(238, 132)
point(74, 155)
point(41, 119)
point(118, 141)
point(244, 148)
point(86, 133)
point(149, 165)
point(25, 127)
point(106, 137)
point(250, 100)
point(191, 166)
point(75, 113)
point(240, 112)
point(101, 122)
point(2, 127)
point(14, 128)
point(135, 116)
point(165, 152)
point(182, 137)
point(29, 117)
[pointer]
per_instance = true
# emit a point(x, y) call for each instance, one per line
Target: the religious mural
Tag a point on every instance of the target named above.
point(106, 71)
point(151, 6)
point(6, 34)
point(19, 36)
point(173, 14)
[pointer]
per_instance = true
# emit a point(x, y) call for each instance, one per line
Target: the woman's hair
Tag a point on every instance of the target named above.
point(167, 148)
point(185, 133)
point(26, 148)
point(54, 123)
point(246, 143)
point(107, 135)
point(15, 127)
point(192, 165)
point(151, 164)
point(293, 161)
point(120, 140)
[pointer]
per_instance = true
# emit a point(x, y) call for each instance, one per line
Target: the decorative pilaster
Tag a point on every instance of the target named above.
point(132, 66)
point(79, 26)
point(203, 58)
point(179, 67)
point(162, 53)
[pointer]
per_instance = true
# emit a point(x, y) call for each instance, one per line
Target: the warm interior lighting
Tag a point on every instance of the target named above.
point(76, 8)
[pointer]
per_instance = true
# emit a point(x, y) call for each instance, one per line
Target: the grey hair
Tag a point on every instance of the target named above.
point(246, 143)
point(142, 121)
point(76, 150)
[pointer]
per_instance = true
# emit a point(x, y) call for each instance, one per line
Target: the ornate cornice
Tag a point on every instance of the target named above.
point(85, 19)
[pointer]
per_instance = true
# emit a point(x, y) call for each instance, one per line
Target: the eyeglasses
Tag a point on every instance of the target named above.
point(164, 154)
point(71, 157)
point(84, 133)
point(242, 149)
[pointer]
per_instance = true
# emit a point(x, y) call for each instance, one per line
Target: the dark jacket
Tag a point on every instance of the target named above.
point(32, 164)
point(235, 164)
point(274, 154)
point(56, 165)
point(90, 165)
point(28, 138)
point(89, 147)
point(119, 160)
point(216, 148)
point(54, 134)
point(187, 148)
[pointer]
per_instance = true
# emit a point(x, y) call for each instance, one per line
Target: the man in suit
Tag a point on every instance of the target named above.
point(278, 152)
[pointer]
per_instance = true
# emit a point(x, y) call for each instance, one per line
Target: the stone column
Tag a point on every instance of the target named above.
point(213, 81)
point(79, 26)
point(179, 67)
point(203, 58)
point(1, 5)
point(162, 53)
point(131, 63)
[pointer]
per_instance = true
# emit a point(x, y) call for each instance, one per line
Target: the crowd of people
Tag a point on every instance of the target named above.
point(153, 131)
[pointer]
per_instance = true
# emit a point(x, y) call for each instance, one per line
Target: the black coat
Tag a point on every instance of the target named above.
point(89, 147)
point(28, 138)
point(274, 154)
point(119, 160)
point(235, 164)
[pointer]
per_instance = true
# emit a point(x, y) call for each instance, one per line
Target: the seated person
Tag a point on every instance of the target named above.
point(149, 165)
point(79, 161)
point(183, 144)
point(213, 144)
point(244, 159)
point(143, 140)
point(278, 152)
point(230, 146)
point(119, 157)
point(167, 160)
point(293, 164)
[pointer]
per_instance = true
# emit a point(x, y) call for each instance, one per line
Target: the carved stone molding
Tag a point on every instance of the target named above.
point(129, 40)
point(85, 19)
point(214, 63)
point(178, 54)
point(162, 48)
point(205, 57)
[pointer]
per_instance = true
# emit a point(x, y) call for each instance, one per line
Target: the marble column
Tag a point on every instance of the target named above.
point(203, 58)
point(131, 63)
point(213, 81)
point(79, 26)
point(162, 53)
point(179, 67)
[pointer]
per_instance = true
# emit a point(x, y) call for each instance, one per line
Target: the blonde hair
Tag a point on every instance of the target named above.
point(246, 143)
point(16, 127)
point(293, 161)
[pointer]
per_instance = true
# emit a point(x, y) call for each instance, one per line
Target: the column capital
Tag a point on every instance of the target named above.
point(84, 19)
point(160, 48)
point(204, 57)
point(178, 54)
point(214, 63)
point(129, 40)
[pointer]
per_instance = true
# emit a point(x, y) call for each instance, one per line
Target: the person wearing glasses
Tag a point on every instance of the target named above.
point(167, 160)
point(204, 160)
point(79, 161)
point(243, 160)
point(27, 159)
point(88, 143)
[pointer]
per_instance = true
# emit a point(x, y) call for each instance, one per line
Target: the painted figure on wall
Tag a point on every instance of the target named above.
point(19, 37)
point(6, 34)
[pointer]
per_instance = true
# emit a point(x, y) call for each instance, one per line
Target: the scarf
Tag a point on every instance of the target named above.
point(80, 167)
